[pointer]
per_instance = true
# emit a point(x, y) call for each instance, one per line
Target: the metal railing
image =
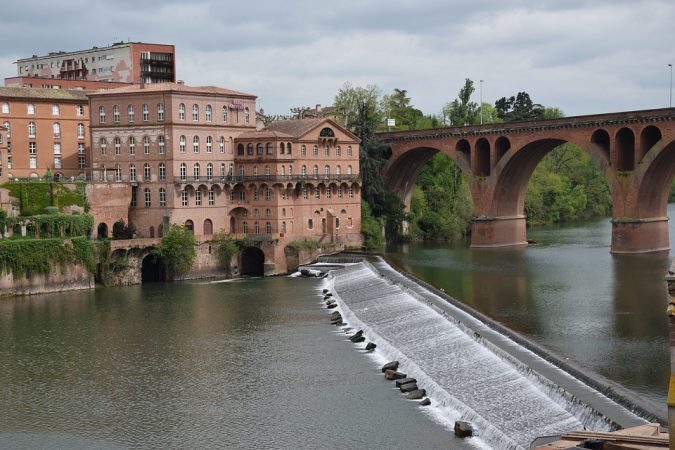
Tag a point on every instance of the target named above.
point(272, 178)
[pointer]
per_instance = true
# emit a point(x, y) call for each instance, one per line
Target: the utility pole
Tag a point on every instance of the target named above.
point(481, 100)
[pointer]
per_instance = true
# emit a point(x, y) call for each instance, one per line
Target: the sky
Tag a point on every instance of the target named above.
point(582, 56)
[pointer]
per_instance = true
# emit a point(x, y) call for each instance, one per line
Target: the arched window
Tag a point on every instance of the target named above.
point(190, 225)
point(57, 130)
point(162, 171)
point(146, 112)
point(222, 144)
point(195, 112)
point(80, 131)
point(147, 197)
point(303, 170)
point(146, 172)
point(56, 110)
point(267, 171)
point(130, 113)
point(152, 231)
point(338, 151)
point(310, 224)
point(282, 149)
point(208, 227)
point(337, 170)
point(208, 113)
point(209, 144)
point(256, 228)
point(288, 149)
point(303, 151)
point(249, 149)
point(259, 149)
point(349, 151)
point(195, 171)
point(255, 171)
point(283, 171)
point(162, 196)
point(315, 171)
point(118, 173)
point(195, 144)
point(132, 172)
point(30, 109)
point(349, 170)
point(118, 146)
point(181, 111)
point(209, 171)
point(268, 228)
point(326, 171)
point(146, 145)
point(132, 145)
point(244, 227)
point(315, 151)
point(160, 111)
point(181, 144)
point(283, 227)
point(225, 113)
point(116, 114)
point(240, 150)
point(222, 170)
point(270, 148)
point(183, 171)
point(247, 115)
point(104, 146)
point(31, 129)
point(161, 141)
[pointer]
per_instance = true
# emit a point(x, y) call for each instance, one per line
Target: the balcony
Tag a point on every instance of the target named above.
point(267, 178)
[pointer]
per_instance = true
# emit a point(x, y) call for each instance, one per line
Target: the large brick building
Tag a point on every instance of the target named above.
point(126, 62)
point(46, 129)
point(193, 156)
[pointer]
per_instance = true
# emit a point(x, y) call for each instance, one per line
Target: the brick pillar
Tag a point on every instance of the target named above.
point(503, 231)
point(670, 279)
point(640, 235)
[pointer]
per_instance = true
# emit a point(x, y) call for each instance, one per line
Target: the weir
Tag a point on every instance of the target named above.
point(470, 371)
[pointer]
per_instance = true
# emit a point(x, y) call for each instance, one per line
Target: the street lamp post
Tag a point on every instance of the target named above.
point(481, 97)
point(671, 86)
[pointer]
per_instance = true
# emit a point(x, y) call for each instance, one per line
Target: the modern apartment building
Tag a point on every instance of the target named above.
point(45, 130)
point(126, 62)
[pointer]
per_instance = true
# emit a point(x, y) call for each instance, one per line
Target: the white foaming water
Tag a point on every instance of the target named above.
point(465, 378)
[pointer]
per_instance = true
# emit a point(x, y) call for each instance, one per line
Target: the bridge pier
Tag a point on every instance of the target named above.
point(640, 235)
point(499, 231)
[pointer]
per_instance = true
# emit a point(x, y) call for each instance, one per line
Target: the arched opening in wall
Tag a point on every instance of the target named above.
point(102, 230)
point(160, 230)
point(233, 224)
point(208, 227)
point(482, 164)
point(152, 231)
point(151, 270)
point(601, 139)
point(252, 262)
point(463, 148)
point(190, 225)
point(625, 150)
point(648, 138)
point(502, 145)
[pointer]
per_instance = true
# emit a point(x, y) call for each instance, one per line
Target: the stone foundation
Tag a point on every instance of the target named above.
point(640, 235)
point(67, 278)
point(498, 232)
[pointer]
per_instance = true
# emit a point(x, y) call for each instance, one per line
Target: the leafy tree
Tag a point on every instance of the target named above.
point(462, 111)
point(370, 228)
point(520, 107)
point(122, 230)
point(176, 253)
point(349, 98)
point(397, 106)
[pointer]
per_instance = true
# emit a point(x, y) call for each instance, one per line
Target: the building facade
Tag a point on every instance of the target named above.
point(193, 156)
point(126, 62)
point(46, 131)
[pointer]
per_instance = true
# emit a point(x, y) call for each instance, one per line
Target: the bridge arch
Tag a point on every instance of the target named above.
point(252, 261)
point(481, 166)
point(625, 150)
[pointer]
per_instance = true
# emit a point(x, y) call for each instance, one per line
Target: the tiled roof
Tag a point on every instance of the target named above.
point(43, 93)
point(174, 87)
point(295, 127)
point(264, 134)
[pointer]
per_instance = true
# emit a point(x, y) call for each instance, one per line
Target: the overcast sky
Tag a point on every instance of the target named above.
point(583, 56)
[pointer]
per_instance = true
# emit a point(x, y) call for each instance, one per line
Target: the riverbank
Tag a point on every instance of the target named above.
point(565, 385)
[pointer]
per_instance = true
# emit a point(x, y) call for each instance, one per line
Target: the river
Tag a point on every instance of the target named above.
point(569, 294)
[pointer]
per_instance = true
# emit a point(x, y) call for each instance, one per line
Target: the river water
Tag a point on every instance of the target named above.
point(569, 294)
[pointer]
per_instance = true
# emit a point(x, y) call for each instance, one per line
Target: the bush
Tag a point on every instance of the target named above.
point(371, 229)
point(38, 256)
point(176, 253)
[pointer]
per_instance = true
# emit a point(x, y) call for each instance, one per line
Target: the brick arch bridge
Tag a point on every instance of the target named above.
point(634, 150)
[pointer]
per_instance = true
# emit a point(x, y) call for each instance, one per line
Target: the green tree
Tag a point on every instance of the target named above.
point(397, 106)
point(176, 253)
point(462, 111)
point(520, 107)
point(349, 98)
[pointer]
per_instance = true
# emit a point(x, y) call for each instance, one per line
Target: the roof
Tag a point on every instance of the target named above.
point(63, 54)
point(299, 127)
point(173, 87)
point(264, 134)
point(43, 93)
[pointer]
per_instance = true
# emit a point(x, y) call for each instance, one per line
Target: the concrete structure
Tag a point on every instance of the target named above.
point(126, 62)
point(61, 83)
point(193, 156)
point(45, 129)
point(634, 150)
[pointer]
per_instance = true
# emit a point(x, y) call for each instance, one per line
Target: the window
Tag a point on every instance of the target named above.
point(268, 194)
point(55, 110)
point(267, 171)
point(81, 158)
point(256, 194)
point(162, 171)
point(32, 155)
point(183, 172)
point(305, 193)
point(282, 148)
point(118, 173)
point(133, 197)
point(240, 150)
point(288, 148)
point(132, 172)
point(181, 144)
point(146, 172)
point(225, 113)
point(209, 144)
point(132, 145)
point(30, 109)
point(57, 155)
point(303, 151)
point(315, 171)
point(349, 170)
point(283, 171)
point(317, 193)
point(8, 126)
point(101, 114)
point(326, 171)
point(103, 144)
point(208, 113)
point(195, 171)
point(270, 149)
point(247, 115)
point(338, 151)
point(190, 226)
point(315, 151)
point(268, 228)
point(162, 197)
point(283, 227)
point(222, 170)
point(244, 227)
point(212, 197)
point(290, 171)
point(116, 114)
point(310, 224)
point(31, 129)
point(222, 144)
point(80, 131)
point(181, 112)
point(242, 196)
point(147, 197)
point(130, 113)
point(241, 171)
point(349, 151)
point(79, 110)
point(160, 111)
point(57, 130)
point(259, 149)
point(5, 108)
point(339, 192)
point(337, 170)
point(198, 198)
point(195, 144)
point(268, 212)
point(303, 170)
point(249, 149)
point(145, 110)
point(351, 192)
point(118, 146)
point(162, 142)
point(283, 212)
point(195, 112)
point(209, 171)
point(329, 192)
point(184, 197)
point(256, 228)
point(146, 145)
point(326, 151)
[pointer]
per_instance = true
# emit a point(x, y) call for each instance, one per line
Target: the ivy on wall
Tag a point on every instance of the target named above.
point(32, 197)
point(50, 225)
point(32, 257)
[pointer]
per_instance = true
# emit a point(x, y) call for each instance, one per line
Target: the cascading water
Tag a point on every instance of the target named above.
point(468, 377)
